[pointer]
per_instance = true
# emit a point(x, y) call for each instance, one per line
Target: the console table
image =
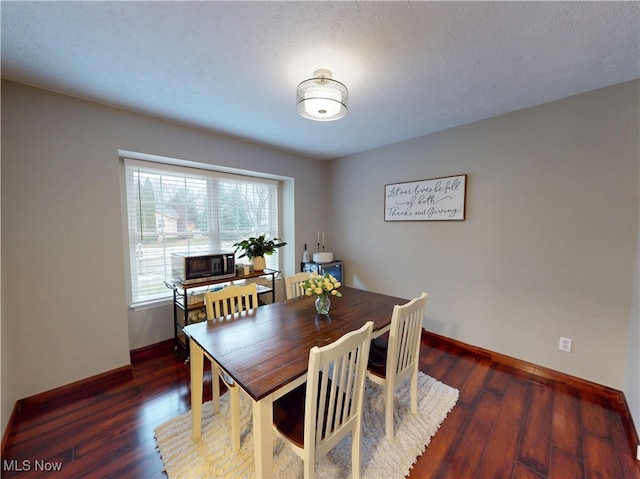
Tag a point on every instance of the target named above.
point(188, 301)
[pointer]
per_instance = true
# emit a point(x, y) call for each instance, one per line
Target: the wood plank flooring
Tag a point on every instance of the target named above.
point(506, 424)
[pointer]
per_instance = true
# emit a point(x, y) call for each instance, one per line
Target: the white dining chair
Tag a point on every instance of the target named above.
point(294, 284)
point(391, 362)
point(220, 305)
point(315, 416)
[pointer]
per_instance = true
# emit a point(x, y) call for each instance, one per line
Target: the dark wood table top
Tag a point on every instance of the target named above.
point(268, 347)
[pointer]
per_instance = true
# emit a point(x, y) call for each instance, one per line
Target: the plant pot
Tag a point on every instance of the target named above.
point(259, 263)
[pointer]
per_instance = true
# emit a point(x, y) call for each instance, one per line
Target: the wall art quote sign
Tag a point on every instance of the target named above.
point(437, 199)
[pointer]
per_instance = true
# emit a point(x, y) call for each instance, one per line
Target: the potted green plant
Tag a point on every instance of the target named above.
point(256, 248)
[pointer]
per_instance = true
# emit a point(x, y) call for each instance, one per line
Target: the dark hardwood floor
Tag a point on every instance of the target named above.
point(507, 424)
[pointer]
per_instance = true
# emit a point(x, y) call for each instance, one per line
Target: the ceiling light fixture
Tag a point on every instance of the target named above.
point(321, 98)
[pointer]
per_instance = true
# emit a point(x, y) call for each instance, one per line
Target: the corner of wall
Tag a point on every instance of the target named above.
point(7, 376)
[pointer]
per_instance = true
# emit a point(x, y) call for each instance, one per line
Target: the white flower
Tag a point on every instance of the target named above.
point(326, 284)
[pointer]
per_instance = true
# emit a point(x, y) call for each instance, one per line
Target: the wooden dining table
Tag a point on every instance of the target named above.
point(266, 352)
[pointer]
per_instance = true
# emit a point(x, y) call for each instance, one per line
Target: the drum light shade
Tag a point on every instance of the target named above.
point(321, 98)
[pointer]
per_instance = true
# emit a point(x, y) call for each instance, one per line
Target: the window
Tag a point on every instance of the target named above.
point(177, 209)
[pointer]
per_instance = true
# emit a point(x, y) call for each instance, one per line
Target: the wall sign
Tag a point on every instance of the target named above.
point(437, 199)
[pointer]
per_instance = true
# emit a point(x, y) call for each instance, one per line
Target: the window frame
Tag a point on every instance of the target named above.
point(214, 176)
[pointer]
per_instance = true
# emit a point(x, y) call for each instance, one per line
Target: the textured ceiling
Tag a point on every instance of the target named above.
point(412, 68)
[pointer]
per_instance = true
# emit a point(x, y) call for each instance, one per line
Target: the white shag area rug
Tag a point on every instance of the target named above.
point(211, 457)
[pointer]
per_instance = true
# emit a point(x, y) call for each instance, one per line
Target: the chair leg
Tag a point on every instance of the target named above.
point(355, 452)
point(309, 468)
point(215, 387)
point(234, 396)
point(388, 410)
point(414, 392)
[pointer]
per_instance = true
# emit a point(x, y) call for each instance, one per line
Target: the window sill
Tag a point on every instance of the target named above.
point(157, 303)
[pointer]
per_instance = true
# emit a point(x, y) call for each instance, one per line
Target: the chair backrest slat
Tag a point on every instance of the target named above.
point(231, 300)
point(404, 335)
point(335, 385)
point(293, 284)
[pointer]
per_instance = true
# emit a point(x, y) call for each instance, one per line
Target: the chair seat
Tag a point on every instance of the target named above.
point(288, 414)
point(377, 363)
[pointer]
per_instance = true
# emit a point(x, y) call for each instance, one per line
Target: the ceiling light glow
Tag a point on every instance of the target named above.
point(321, 98)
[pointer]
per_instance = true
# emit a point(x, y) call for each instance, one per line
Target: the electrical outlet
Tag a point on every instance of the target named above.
point(565, 344)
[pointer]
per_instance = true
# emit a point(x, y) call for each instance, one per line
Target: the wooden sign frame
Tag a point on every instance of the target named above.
point(436, 199)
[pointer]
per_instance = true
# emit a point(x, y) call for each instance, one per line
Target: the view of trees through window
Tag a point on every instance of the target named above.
point(181, 210)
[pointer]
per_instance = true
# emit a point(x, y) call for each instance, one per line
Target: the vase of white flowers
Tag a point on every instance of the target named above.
point(323, 287)
point(323, 304)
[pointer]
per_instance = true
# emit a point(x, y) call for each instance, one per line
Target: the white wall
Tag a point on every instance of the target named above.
point(548, 246)
point(7, 381)
point(63, 254)
point(632, 375)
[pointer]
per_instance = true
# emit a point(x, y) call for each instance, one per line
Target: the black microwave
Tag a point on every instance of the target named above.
point(190, 269)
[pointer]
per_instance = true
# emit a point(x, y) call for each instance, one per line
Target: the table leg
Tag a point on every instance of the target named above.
point(196, 365)
point(215, 387)
point(263, 437)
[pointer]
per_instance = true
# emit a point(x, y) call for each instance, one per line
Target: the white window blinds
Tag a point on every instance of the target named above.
point(174, 209)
